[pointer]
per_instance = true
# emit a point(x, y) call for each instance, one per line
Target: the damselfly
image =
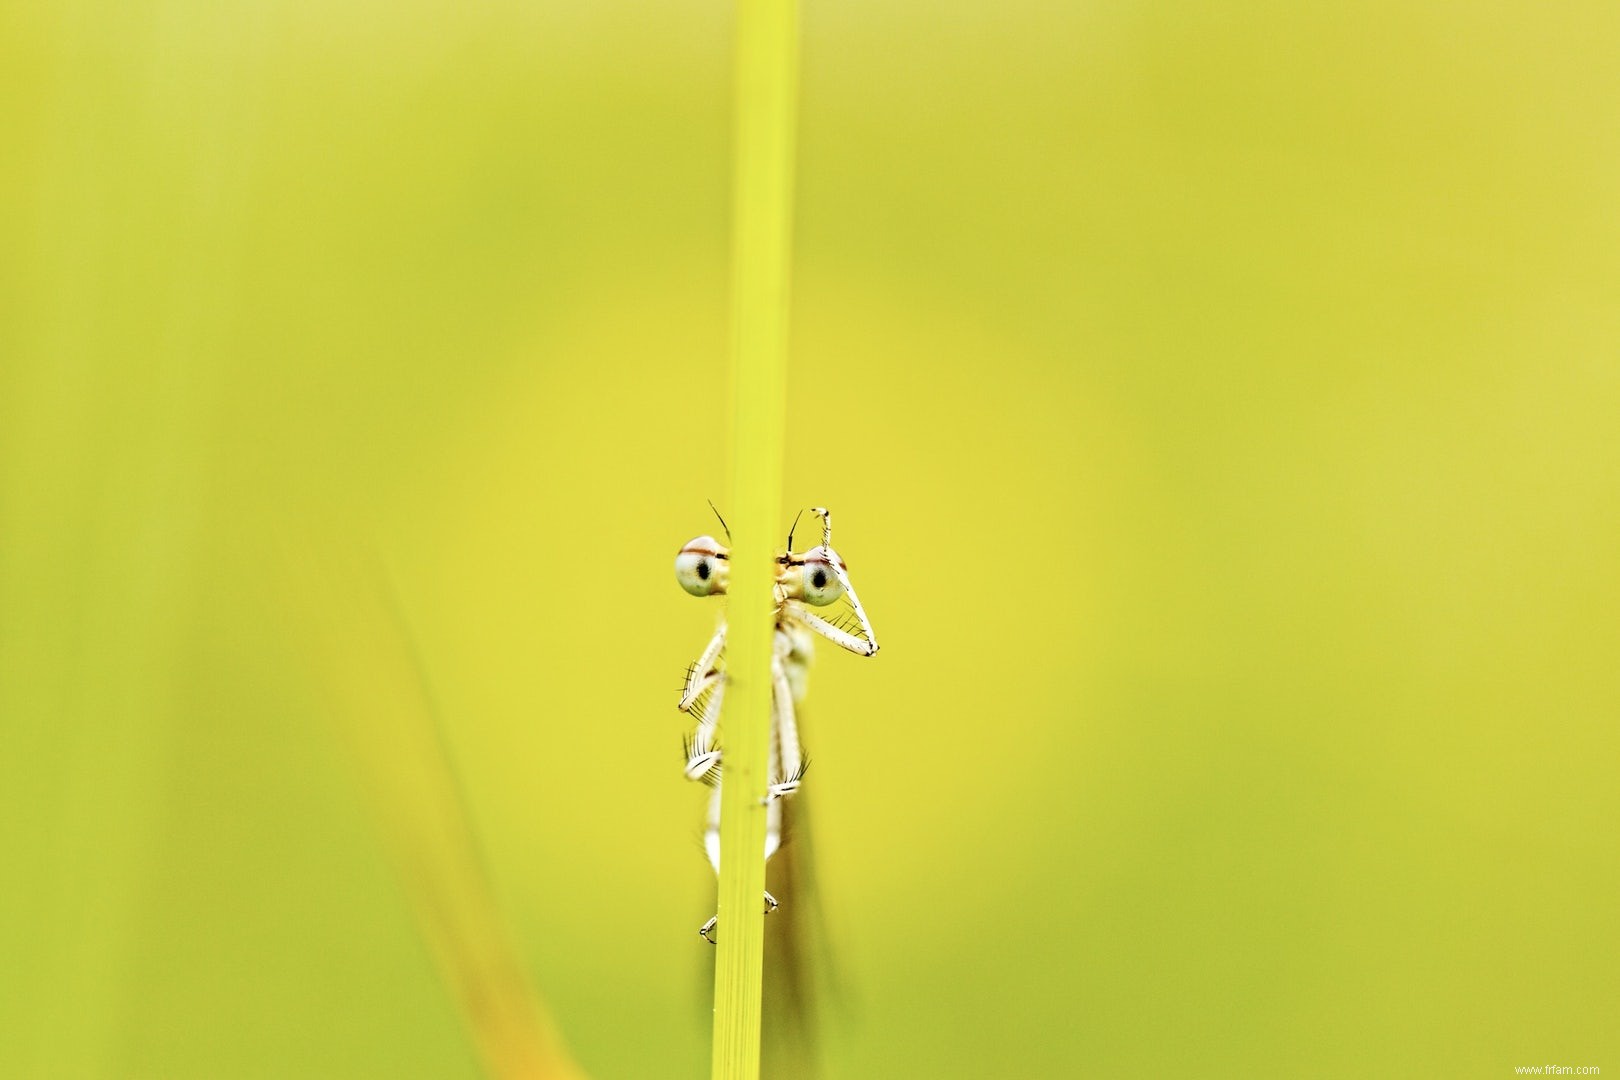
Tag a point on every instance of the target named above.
point(815, 578)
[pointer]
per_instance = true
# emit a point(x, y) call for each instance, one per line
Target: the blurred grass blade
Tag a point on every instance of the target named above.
point(766, 74)
point(383, 705)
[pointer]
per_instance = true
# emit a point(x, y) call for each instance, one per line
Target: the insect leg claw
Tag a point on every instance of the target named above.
point(707, 930)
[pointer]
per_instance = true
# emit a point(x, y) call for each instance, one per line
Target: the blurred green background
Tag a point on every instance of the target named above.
point(1217, 402)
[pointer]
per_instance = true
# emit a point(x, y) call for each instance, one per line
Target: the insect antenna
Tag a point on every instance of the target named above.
point(723, 524)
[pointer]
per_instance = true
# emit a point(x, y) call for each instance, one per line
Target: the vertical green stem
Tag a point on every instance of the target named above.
point(766, 74)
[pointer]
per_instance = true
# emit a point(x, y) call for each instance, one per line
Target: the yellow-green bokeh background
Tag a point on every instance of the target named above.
point(1218, 405)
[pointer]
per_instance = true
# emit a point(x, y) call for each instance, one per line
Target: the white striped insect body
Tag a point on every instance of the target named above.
point(813, 579)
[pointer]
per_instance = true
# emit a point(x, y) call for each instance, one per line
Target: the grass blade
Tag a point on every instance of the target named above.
point(766, 76)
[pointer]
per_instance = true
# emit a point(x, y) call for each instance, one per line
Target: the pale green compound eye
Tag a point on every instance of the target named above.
point(701, 567)
point(819, 580)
